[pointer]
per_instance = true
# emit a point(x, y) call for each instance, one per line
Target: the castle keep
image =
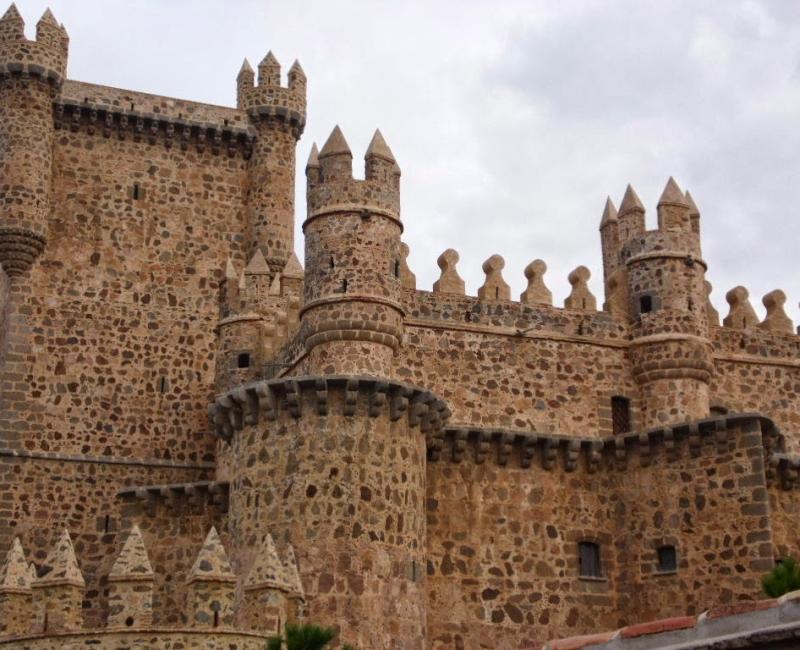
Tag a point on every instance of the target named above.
point(201, 440)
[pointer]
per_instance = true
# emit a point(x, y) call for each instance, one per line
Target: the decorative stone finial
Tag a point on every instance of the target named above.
point(494, 287)
point(694, 211)
point(269, 71)
point(407, 277)
point(776, 319)
point(246, 71)
point(711, 313)
point(741, 315)
point(267, 570)
point(580, 297)
point(313, 157)
point(449, 281)
point(536, 292)
point(294, 573)
point(293, 268)
point(230, 271)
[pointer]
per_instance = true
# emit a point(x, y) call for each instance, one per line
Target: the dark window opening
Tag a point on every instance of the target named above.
point(331, 263)
point(216, 618)
point(129, 621)
point(620, 415)
point(105, 524)
point(136, 192)
point(162, 385)
point(243, 360)
point(397, 269)
point(667, 559)
point(718, 410)
point(44, 627)
point(589, 560)
point(645, 304)
point(344, 285)
point(497, 293)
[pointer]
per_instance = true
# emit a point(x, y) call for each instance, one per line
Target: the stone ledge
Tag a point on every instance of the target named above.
point(100, 460)
point(299, 396)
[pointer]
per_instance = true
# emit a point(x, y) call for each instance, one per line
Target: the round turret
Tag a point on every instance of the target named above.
point(31, 74)
point(352, 318)
point(278, 114)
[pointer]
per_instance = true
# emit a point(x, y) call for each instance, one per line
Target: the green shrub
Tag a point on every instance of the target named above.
point(303, 637)
point(785, 577)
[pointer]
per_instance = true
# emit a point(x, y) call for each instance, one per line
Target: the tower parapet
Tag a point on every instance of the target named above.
point(31, 76)
point(279, 116)
point(352, 311)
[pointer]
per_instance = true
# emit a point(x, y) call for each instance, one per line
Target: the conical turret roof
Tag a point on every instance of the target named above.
point(672, 194)
point(630, 202)
point(293, 572)
point(49, 18)
point(61, 566)
point(693, 209)
point(313, 156)
point(609, 213)
point(212, 563)
point(132, 562)
point(257, 264)
point(267, 570)
point(246, 69)
point(293, 268)
point(335, 144)
point(15, 575)
point(378, 147)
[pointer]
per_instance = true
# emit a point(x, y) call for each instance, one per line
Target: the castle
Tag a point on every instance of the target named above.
point(201, 440)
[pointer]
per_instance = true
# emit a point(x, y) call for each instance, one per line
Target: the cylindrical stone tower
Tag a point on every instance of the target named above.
point(31, 74)
point(670, 350)
point(279, 115)
point(333, 460)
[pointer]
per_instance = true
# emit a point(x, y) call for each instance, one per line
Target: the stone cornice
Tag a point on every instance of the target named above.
point(153, 128)
point(300, 396)
point(549, 451)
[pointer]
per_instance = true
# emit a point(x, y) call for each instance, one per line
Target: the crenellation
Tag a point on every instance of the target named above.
point(424, 469)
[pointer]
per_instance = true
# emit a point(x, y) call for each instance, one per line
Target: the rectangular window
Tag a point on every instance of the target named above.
point(589, 559)
point(667, 559)
point(620, 415)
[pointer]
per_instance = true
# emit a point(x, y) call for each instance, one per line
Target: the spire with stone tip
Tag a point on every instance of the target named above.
point(245, 82)
point(211, 585)
point(609, 214)
point(609, 240)
point(269, 71)
point(293, 269)
point(630, 216)
point(60, 589)
point(297, 78)
point(130, 598)
point(380, 162)
point(48, 31)
point(694, 213)
point(267, 571)
point(335, 158)
point(257, 264)
point(12, 26)
point(312, 166)
point(673, 210)
point(294, 573)
point(15, 576)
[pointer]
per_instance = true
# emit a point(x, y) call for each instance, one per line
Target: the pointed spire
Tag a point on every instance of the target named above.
point(672, 194)
point(269, 59)
point(694, 211)
point(630, 202)
point(297, 69)
point(15, 575)
point(378, 147)
point(335, 144)
point(230, 270)
point(267, 569)
point(269, 71)
point(12, 14)
point(257, 265)
point(609, 213)
point(293, 269)
point(293, 572)
point(49, 18)
point(313, 157)
point(246, 70)
point(132, 562)
point(61, 566)
point(12, 26)
point(212, 563)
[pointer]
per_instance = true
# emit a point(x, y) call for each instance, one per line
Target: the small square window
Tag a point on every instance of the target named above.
point(667, 559)
point(589, 559)
point(645, 304)
point(620, 415)
point(244, 360)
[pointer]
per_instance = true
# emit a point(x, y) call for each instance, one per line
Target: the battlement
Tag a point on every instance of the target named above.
point(268, 99)
point(46, 602)
point(331, 187)
point(44, 57)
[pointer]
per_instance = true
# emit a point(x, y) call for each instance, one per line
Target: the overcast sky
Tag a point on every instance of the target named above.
point(511, 121)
